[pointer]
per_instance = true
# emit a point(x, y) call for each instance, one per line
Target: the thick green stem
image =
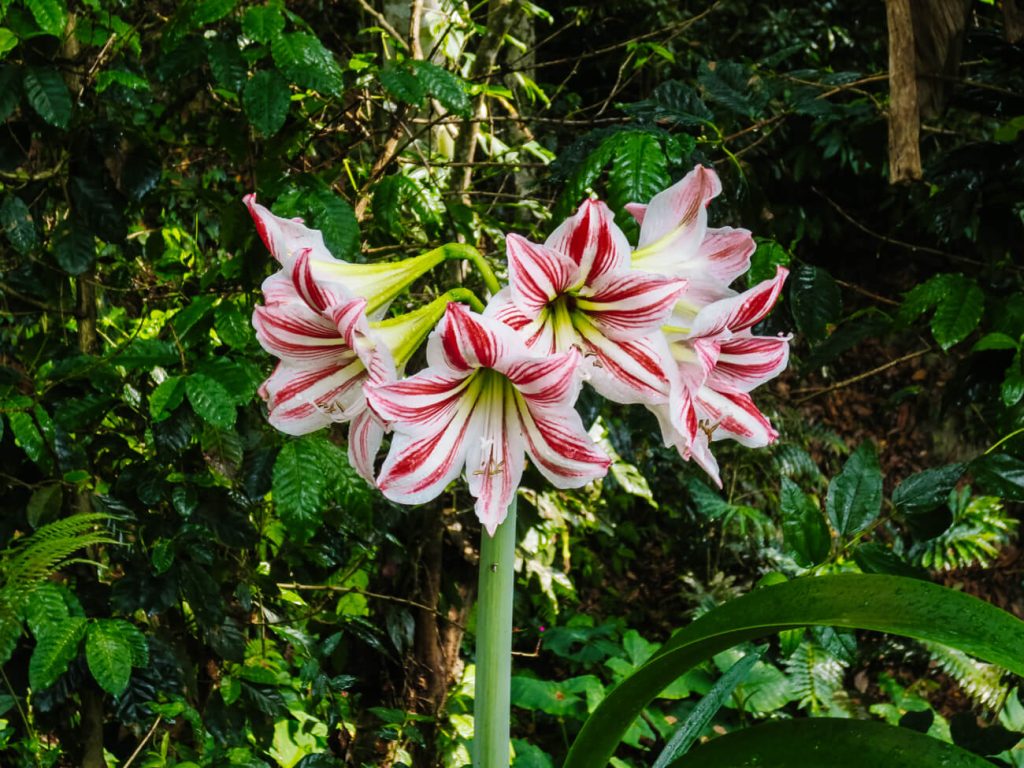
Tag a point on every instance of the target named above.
point(494, 645)
point(467, 296)
point(471, 254)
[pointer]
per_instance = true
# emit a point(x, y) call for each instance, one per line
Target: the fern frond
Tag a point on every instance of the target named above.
point(33, 559)
point(980, 528)
point(982, 682)
point(815, 676)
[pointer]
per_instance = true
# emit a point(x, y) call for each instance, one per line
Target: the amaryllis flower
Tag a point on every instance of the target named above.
point(379, 284)
point(719, 361)
point(578, 291)
point(328, 350)
point(675, 238)
point(483, 402)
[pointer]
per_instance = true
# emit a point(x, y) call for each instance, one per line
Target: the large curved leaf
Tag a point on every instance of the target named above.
point(828, 743)
point(884, 603)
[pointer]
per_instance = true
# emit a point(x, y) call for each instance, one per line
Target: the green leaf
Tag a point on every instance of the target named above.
point(210, 400)
point(907, 607)
point(402, 84)
point(803, 528)
point(306, 62)
point(876, 558)
point(56, 647)
point(855, 494)
point(125, 79)
point(335, 218)
point(262, 23)
point(50, 15)
point(924, 491)
point(209, 11)
point(959, 312)
point(27, 435)
point(10, 90)
point(222, 449)
point(815, 302)
point(17, 223)
point(447, 87)
point(8, 41)
point(768, 256)
point(924, 297)
point(584, 176)
point(1012, 388)
point(46, 606)
point(227, 64)
point(299, 487)
point(638, 172)
point(48, 95)
point(700, 716)
point(266, 100)
point(728, 83)
point(75, 249)
point(994, 341)
point(549, 696)
point(44, 504)
point(829, 743)
point(109, 656)
point(998, 473)
point(233, 328)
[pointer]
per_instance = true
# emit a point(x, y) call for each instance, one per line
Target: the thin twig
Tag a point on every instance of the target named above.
point(383, 23)
point(147, 737)
point(367, 593)
point(865, 292)
point(859, 376)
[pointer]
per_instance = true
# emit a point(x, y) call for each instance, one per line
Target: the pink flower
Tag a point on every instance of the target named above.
point(578, 291)
point(481, 405)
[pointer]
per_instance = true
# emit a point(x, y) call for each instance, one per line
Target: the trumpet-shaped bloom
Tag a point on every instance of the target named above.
point(481, 405)
point(328, 351)
point(719, 361)
point(675, 238)
point(578, 291)
point(379, 284)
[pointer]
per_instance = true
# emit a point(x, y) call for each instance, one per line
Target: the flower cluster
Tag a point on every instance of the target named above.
point(656, 325)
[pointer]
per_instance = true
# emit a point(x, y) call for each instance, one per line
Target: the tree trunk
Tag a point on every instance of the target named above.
point(904, 118)
point(938, 41)
point(1013, 21)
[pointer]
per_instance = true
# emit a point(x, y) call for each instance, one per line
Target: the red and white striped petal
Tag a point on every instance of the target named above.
point(303, 399)
point(746, 362)
point(560, 447)
point(537, 273)
point(637, 371)
point(725, 253)
point(464, 340)
point(626, 304)
point(422, 462)
point(419, 402)
point(740, 312)
point(296, 333)
point(365, 434)
point(733, 415)
point(675, 222)
point(495, 466)
point(551, 381)
point(637, 211)
point(680, 429)
point(318, 294)
point(535, 331)
point(286, 239)
point(592, 239)
point(696, 360)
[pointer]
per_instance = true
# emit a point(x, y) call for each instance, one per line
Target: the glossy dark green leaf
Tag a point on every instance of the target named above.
point(803, 527)
point(336, 219)
point(27, 435)
point(959, 312)
point(402, 84)
point(299, 487)
point(815, 302)
point(908, 607)
point(304, 60)
point(227, 64)
point(855, 495)
point(208, 11)
point(877, 558)
point(109, 656)
point(44, 504)
point(210, 400)
point(17, 223)
point(828, 743)
point(638, 171)
point(262, 23)
point(50, 15)
point(1000, 474)
point(55, 648)
point(48, 95)
point(447, 87)
point(75, 249)
point(767, 257)
point(266, 100)
point(924, 491)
